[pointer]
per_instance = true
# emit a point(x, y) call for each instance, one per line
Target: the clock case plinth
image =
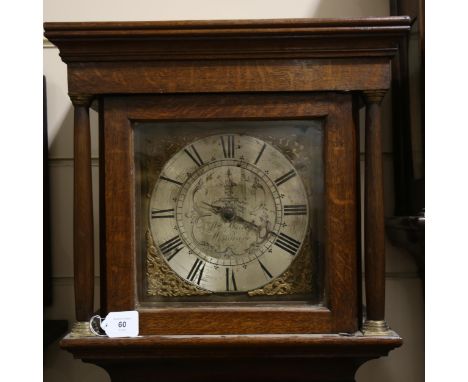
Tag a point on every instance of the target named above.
point(265, 57)
point(313, 358)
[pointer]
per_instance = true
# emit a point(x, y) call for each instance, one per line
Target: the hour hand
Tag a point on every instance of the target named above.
point(262, 230)
point(213, 208)
point(245, 223)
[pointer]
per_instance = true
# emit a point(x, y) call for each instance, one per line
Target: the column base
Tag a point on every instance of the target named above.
point(81, 329)
point(376, 328)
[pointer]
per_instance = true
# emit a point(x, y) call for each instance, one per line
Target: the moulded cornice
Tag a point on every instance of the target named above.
point(241, 39)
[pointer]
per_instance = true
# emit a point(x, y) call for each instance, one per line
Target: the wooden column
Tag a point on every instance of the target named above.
point(374, 234)
point(83, 240)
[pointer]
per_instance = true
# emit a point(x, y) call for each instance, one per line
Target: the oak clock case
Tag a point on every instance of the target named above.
point(230, 210)
point(186, 108)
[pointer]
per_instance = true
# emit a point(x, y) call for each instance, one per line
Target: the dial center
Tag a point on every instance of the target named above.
point(228, 213)
point(230, 207)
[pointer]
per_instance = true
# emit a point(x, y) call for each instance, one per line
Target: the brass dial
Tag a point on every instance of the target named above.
point(229, 213)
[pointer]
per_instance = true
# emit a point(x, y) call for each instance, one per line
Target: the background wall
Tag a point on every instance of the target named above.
point(404, 289)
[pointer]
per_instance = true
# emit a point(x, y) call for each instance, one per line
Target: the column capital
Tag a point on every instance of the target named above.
point(80, 99)
point(374, 96)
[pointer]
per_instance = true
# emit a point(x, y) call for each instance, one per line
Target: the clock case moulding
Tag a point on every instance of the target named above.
point(329, 67)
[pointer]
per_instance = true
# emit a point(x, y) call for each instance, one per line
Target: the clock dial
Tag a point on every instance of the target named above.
point(229, 213)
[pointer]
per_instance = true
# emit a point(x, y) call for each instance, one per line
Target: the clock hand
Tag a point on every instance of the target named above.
point(229, 184)
point(256, 227)
point(244, 222)
point(213, 208)
point(228, 214)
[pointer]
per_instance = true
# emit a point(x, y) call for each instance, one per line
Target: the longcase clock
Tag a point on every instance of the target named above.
point(229, 195)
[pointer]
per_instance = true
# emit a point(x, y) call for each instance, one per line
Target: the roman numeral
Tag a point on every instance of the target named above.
point(197, 269)
point(175, 244)
point(162, 214)
point(230, 280)
point(265, 270)
point(298, 209)
point(260, 153)
point(228, 147)
point(287, 243)
point(285, 178)
point(198, 161)
point(171, 180)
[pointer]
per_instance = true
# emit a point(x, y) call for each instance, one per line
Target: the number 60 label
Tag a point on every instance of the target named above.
point(121, 324)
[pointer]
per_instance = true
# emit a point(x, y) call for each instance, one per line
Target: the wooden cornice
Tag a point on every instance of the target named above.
point(239, 39)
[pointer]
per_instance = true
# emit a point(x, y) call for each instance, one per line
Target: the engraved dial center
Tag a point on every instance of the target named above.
point(227, 209)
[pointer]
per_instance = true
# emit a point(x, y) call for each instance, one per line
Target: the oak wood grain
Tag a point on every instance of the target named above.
point(341, 212)
point(286, 25)
point(118, 233)
point(83, 234)
point(224, 320)
point(357, 104)
point(374, 234)
point(229, 76)
point(197, 346)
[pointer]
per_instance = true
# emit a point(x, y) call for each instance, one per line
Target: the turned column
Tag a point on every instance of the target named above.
point(374, 234)
point(83, 240)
